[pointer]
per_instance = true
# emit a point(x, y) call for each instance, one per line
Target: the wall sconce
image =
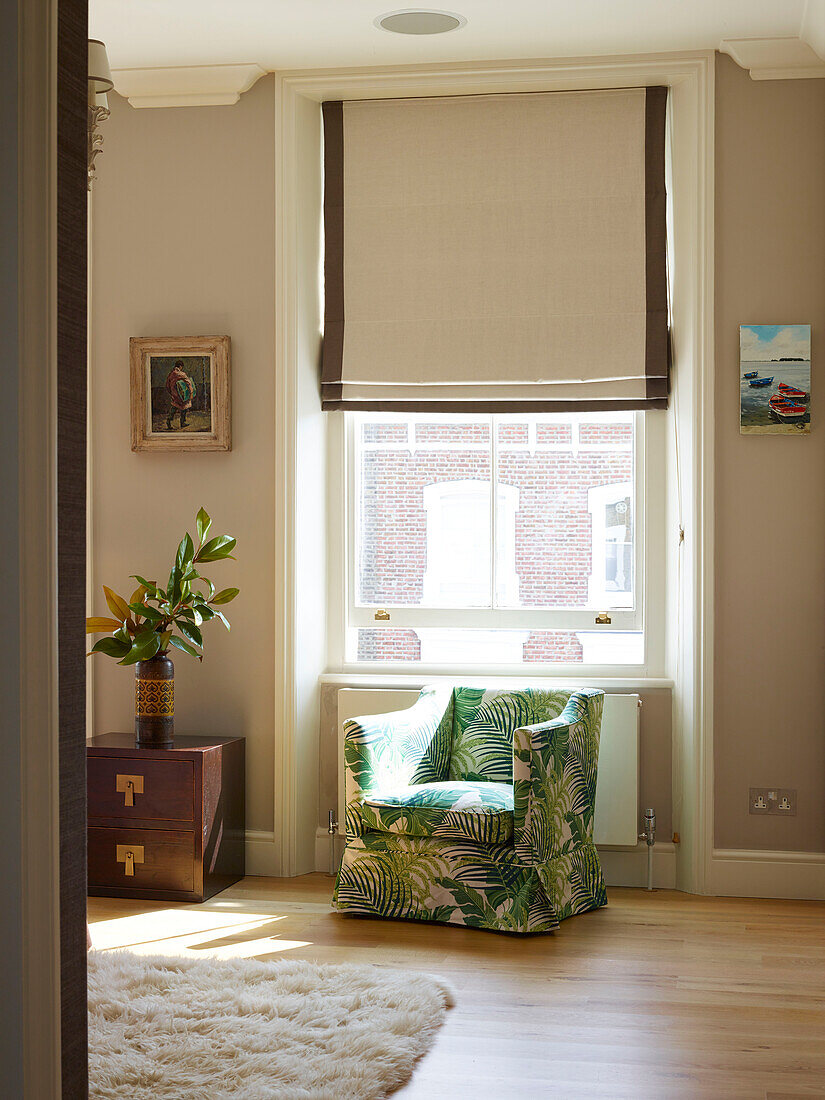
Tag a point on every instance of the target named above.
point(100, 82)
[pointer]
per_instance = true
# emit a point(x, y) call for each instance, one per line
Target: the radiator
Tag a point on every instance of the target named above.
point(617, 790)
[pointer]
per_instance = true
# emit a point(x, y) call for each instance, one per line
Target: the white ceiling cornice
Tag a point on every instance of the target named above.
point(775, 58)
point(187, 85)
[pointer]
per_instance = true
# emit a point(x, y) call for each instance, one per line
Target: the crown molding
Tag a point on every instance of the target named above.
point(775, 58)
point(187, 85)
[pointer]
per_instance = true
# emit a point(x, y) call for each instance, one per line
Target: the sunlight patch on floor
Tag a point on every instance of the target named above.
point(193, 932)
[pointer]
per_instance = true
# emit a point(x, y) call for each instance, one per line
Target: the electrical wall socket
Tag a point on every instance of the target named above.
point(777, 801)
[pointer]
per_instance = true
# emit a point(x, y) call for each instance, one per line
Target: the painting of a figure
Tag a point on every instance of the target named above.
point(181, 393)
point(774, 379)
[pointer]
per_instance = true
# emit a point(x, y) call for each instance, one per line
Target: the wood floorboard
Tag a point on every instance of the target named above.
point(661, 996)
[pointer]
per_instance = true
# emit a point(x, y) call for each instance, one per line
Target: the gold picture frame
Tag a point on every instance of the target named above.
point(180, 393)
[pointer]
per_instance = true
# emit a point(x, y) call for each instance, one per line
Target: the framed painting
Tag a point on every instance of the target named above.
point(774, 379)
point(180, 393)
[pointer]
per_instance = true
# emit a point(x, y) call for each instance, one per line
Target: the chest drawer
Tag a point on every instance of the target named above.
point(161, 859)
point(139, 789)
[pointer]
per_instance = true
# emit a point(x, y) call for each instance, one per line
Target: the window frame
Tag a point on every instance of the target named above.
point(649, 461)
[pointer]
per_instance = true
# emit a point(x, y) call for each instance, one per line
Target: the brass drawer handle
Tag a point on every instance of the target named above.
point(130, 854)
point(129, 785)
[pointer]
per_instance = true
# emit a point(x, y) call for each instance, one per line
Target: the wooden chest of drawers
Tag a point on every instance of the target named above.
point(165, 824)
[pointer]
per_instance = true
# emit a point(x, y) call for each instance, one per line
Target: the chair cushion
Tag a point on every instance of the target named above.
point(469, 811)
point(484, 723)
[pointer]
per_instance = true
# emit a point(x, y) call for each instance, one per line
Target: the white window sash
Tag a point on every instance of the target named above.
point(362, 615)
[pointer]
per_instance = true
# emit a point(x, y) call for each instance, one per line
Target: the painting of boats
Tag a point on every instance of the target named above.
point(786, 412)
point(775, 379)
point(792, 393)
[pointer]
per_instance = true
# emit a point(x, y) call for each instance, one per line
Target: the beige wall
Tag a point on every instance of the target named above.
point(769, 688)
point(184, 243)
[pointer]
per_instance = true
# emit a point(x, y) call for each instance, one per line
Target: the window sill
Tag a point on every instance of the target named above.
point(388, 679)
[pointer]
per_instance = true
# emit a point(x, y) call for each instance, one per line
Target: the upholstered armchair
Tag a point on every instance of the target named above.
point(474, 807)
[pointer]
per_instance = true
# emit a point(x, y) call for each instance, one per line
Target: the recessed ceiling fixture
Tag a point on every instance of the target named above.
point(420, 21)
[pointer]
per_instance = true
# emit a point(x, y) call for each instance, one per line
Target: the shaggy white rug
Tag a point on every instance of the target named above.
point(207, 1029)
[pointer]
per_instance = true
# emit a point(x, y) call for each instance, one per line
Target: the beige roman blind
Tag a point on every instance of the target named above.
point(496, 253)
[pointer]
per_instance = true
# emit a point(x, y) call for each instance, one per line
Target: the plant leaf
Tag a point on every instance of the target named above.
point(225, 596)
point(179, 643)
point(173, 586)
point(95, 624)
point(216, 549)
point(164, 641)
point(138, 594)
point(203, 523)
point(147, 611)
point(210, 586)
point(117, 605)
point(145, 645)
point(204, 613)
point(150, 586)
point(191, 632)
point(124, 635)
point(223, 619)
point(186, 552)
point(112, 647)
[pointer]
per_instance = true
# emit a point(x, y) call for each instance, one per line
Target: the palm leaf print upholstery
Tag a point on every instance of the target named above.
point(475, 811)
point(474, 807)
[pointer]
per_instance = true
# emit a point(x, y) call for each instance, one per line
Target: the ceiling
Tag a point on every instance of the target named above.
point(297, 34)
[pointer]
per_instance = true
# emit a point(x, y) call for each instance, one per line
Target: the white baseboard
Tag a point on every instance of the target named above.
point(748, 873)
point(621, 866)
point(734, 872)
point(628, 866)
point(263, 857)
point(323, 852)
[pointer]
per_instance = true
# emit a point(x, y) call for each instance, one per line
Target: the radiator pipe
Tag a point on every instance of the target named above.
point(649, 836)
point(332, 829)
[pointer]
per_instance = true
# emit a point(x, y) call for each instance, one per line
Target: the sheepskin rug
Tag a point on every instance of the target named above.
point(206, 1029)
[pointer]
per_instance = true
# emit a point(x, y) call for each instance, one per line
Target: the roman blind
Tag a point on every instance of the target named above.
point(496, 253)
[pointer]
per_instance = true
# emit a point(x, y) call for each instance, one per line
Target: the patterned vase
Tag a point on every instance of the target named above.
point(155, 703)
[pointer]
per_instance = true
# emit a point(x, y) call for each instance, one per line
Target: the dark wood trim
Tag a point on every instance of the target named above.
point(72, 34)
point(480, 408)
point(332, 359)
point(657, 359)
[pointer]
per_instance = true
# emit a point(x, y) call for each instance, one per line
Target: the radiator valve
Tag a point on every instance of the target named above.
point(649, 834)
point(649, 837)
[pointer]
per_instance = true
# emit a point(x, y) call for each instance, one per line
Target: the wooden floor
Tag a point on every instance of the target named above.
point(659, 996)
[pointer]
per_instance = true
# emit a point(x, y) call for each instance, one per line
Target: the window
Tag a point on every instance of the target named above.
point(495, 540)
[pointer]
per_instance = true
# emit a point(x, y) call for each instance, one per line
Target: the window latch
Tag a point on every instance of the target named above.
point(603, 619)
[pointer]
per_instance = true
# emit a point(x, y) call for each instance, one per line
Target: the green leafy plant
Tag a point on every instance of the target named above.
point(145, 626)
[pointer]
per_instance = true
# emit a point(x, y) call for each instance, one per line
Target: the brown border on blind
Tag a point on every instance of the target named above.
point(481, 408)
point(72, 93)
point(332, 357)
point(656, 335)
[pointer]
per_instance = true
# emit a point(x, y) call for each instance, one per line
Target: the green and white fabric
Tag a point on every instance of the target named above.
point(474, 807)
point(472, 811)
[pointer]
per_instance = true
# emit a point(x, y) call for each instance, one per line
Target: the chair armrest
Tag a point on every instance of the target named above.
point(555, 765)
point(397, 748)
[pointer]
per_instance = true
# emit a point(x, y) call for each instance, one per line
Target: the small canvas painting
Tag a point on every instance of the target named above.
point(180, 393)
point(774, 379)
point(180, 388)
